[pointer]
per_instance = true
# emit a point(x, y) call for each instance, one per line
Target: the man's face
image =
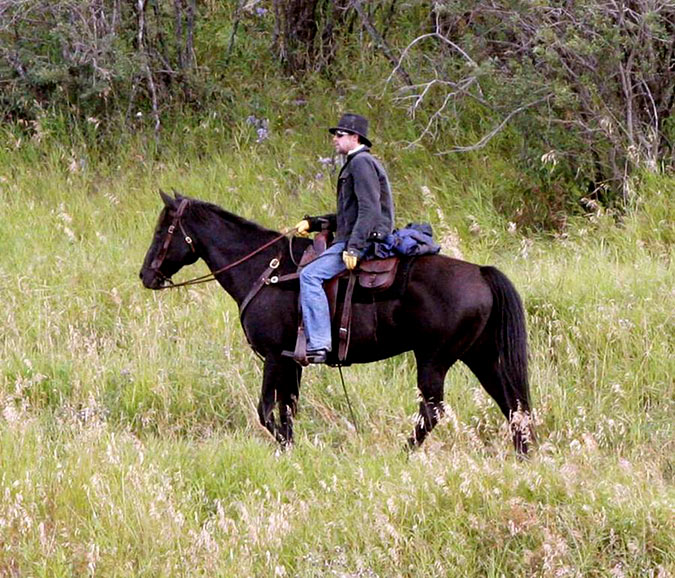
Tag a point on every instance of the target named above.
point(345, 141)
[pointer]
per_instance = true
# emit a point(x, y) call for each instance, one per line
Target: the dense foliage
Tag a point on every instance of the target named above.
point(590, 85)
point(582, 94)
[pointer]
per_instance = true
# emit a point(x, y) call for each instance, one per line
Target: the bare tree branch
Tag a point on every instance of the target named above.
point(235, 26)
point(488, 137)
point(606, 68)
point(380, 41)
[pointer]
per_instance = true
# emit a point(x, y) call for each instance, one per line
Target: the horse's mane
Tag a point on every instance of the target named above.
point(203, 210)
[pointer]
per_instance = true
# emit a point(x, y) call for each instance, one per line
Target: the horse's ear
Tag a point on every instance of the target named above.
point(168, 201)
point(176, 194)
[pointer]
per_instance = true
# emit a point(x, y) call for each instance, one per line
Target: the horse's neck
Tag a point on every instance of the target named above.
point(224, 243)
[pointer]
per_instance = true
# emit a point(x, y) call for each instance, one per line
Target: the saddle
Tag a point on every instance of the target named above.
point(372, 275)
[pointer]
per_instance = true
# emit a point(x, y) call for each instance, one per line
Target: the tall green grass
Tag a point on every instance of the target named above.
point(129, 439)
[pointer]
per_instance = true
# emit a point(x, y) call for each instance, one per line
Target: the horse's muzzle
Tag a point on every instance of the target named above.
point(153, 279)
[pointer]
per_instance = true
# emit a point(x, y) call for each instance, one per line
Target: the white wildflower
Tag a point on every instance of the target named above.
point(450, 245)
point(93, 556)
point(550, 158)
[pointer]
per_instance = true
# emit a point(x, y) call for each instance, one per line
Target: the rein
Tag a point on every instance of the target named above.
point(157, 262)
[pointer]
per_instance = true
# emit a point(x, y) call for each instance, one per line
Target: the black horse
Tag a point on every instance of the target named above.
point(448, 310)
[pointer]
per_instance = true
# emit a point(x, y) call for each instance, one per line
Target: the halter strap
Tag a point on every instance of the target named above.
point(157, 261)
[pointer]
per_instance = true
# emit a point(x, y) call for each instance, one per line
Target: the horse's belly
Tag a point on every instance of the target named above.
point(374, 333)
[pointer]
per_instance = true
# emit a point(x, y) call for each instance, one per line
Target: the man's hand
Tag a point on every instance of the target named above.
point(350, 258)
point(302, 228)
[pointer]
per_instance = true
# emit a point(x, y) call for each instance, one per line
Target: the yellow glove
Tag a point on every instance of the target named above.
point(302, 228)
point(350, 259)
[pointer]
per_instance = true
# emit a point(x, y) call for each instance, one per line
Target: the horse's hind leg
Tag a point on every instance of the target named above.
point(281, 379)
point(484, 363)
point(430, 381)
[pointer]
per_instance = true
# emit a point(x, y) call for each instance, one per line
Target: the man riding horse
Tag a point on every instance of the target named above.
point(365, 213)
point(445, 310)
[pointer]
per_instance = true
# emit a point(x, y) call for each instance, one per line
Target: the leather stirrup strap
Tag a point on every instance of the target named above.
point(300, 352)
point(346, 320)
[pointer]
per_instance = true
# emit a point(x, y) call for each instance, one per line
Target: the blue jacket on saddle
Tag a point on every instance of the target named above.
point(413, 239)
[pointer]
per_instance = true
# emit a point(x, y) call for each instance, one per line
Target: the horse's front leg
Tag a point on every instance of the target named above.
point(430, 378)
point(289, 390)
point(268, 397)
point(281, 379)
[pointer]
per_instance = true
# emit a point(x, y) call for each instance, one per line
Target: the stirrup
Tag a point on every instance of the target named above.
point(318, 356)
point(299, 359)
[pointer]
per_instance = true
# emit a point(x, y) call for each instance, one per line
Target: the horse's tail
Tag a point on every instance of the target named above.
point(507, 322)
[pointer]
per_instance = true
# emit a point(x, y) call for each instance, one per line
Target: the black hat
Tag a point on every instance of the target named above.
point(355, 124)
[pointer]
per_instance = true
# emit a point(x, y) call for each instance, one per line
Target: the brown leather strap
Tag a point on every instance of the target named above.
point(346, 321)
point(299, 354)
point(265, 279)
point(288, 277)
point(157, 262)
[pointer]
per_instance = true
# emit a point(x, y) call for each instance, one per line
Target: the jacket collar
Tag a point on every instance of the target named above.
point(356, 150)
point(348, 157)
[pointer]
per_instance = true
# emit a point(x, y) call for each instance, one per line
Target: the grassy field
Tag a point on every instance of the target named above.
point(129, 439)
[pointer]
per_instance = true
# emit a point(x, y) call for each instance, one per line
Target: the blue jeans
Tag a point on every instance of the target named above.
point(315, 311)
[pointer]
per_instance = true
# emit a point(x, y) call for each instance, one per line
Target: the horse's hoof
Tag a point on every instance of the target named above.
point(411, 445)
point(285, 445)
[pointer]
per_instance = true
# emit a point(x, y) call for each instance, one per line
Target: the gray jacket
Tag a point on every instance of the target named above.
point(364, 204)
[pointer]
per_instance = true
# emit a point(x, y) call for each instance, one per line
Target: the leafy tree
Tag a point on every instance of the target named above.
point(304, 32)
point(95, 57)
point(589, 85)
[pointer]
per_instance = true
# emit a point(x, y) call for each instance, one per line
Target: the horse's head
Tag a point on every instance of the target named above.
point(172, 247)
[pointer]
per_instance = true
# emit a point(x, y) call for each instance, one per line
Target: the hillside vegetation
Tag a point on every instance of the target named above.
point(129, 439)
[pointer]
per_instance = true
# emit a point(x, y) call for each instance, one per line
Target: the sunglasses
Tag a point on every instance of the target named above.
point(342, 133)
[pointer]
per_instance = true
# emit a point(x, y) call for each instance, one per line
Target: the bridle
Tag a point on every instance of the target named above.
point(157, 261)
